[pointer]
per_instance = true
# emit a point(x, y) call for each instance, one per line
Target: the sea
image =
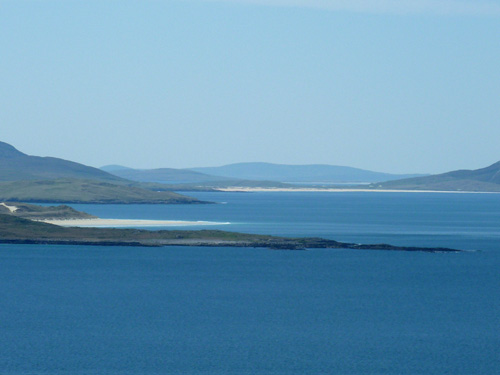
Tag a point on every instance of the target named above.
point(200, 311)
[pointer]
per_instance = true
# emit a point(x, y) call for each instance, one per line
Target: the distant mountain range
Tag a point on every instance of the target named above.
point(312, 173)
point(252, 172)
point(25, 178)
point(483, 179)
point(162, 175)
point(267, 175)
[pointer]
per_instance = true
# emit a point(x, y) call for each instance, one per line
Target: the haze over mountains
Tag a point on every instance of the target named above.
point(46, 179)
point(271, 175)
point(312, 173)
point(300, 174)
point(161, 175)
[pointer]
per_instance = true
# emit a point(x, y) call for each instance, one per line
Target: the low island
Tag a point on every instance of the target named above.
point(21, 224)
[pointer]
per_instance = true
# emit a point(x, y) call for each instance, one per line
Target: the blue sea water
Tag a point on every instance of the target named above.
point(120, 310)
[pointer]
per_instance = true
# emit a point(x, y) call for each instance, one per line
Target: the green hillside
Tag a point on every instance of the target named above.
point(15, 165)
point(85, 191)
point(184, 179)
point(36, 212)
point(25, 178)
point(480, 180)
point(161, 175)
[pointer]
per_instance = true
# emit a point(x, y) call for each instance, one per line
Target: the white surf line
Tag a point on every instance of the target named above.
point(129, 223)
point(11, 208)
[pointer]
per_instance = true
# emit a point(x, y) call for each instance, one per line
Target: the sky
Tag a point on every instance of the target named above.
point(400, 86)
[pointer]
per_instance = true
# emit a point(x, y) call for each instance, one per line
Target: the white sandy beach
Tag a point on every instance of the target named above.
point(128, 223)
point(10, 208)
point(120, 223)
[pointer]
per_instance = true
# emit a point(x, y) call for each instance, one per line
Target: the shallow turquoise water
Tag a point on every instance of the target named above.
point(117, 310)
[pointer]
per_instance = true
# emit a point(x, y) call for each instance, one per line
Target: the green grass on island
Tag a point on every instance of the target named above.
point(18, 230)
point(85, 191)
point(36, 212)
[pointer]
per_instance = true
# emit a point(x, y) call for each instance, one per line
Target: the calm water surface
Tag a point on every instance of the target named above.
point(118, 310)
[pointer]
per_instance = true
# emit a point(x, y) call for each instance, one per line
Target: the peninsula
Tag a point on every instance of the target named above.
point(18, 230)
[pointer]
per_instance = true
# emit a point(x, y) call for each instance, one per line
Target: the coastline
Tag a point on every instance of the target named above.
point(341, 190)
point(127, 223)
point(16, 230)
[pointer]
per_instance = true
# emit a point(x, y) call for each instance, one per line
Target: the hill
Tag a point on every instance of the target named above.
point(114, 167)
point(171, 179)
point(483, 180)
point(309, 174)
point(85, 191)
point(36, 212)
point(162, 175)
point(25, 178)
point(15, 166)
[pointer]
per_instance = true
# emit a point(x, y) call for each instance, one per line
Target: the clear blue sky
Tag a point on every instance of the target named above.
point(394, 86)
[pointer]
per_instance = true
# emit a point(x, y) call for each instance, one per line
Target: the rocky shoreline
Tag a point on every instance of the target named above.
point(271, 243)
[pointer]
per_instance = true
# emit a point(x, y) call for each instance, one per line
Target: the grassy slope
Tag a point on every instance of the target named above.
point(484, 179)
point(168, 179)
point(84, 191)
point(18, 230)
point(30, 211)
point(15, 228)
point(165, 175)
point(440, 184)
point(15, 165)
point(45, 179)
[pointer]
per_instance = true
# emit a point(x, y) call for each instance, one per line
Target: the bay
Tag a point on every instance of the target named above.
point(119, 310)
